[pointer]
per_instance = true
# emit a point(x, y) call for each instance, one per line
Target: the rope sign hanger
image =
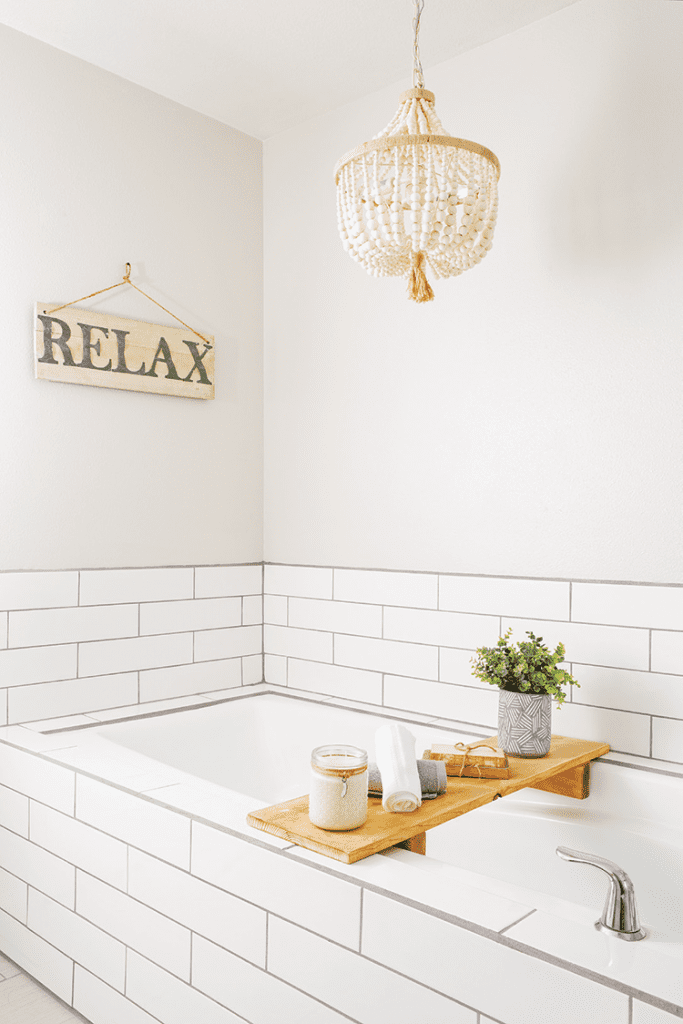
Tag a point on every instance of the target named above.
point(126, 280)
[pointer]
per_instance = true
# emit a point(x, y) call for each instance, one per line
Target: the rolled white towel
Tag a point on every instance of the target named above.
point(396, 760)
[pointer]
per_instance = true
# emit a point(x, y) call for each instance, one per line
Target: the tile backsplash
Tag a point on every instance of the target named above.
point(85, 641)
point(404, 640)
point(89, 640)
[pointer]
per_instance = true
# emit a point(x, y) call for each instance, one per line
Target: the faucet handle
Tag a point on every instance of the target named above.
point(620, 915)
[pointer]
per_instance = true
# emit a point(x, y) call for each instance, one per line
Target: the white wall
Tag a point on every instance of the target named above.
point(528, 421)
point(95, 172)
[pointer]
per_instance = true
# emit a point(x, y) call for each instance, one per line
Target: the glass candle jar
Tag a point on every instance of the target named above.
point(338, 799)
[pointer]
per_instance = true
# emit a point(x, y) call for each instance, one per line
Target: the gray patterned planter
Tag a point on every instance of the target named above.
point(524, 723)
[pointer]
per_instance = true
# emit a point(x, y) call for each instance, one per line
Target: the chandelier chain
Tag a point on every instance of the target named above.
point(418, 74)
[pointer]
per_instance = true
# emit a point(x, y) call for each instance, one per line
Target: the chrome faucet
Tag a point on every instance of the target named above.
point(619, 916)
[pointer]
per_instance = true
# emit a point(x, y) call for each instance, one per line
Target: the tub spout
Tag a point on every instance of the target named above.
point(620, 915)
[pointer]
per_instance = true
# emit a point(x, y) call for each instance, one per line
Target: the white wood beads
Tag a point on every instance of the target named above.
point(414, 189)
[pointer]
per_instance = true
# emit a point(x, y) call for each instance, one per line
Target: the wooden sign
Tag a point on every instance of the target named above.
point(80, 346)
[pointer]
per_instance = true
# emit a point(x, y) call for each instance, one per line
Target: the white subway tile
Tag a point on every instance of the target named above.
point(298, 581)
point(37, 664)
point(252, 670)
point(30, 739)
point(227, 580)
point(77, 843)
point(646, 692)
point(235, 642)
point(252, 610)
point(350, 683)
point(445, 629)
point(667, 739)
point(623, 730)
point(575, 941)
point(455, 666)
point(71, 697)
point(255, 995)
point(14, 811)
point(71, 625)
point(183, 616)
point(3, 706)
point(181, 680)
point(36, 866)
point(50, 783)
point(276, 669)
point(366, 991)
point(524, 986)
point(667, 652)
point(123, 586)
point(298, 643)
point(314, 899)
point(593, 645)
point(386, 656)
point(140, 652)
point(275, 610)
point(206, 910)
point(13, 900)
point(644, 1013)
point(42, 961)
point(79, 939)
point(38, 590)
point(153, 935)
point(538, 599)
point(168, 999)
point(4, 628)
point(444, 700)
point(336, 616)
point(101, 1004)
point(411, 589)
point(134, 820)
point(628, 605)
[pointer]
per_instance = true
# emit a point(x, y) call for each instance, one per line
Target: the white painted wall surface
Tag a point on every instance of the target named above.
point(528, 421)
point(95, 172)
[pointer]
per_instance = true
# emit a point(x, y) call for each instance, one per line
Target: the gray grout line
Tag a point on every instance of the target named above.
point(502, 931)
point(478, 575)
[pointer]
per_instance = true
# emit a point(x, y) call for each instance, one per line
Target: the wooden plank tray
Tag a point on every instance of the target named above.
point(566, 766)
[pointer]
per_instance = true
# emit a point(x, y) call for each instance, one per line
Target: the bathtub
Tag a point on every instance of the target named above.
point(174, 790)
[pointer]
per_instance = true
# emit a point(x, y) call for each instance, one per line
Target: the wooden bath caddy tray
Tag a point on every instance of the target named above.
point(565, 770)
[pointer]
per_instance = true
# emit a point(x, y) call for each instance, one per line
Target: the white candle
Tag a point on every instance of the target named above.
point(338, 800)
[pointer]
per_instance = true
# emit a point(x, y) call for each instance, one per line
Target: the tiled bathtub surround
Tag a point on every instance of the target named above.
point(405, 639)
point(163, 906)
point(89, 641)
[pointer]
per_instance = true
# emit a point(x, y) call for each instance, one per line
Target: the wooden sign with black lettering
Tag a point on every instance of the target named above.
point(80, 346)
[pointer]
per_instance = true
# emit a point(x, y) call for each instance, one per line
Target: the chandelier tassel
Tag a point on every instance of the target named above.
point(419, 288)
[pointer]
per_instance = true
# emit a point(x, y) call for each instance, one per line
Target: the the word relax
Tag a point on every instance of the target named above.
point(90, 346)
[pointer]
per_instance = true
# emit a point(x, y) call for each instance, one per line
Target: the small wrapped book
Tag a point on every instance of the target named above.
point(477, 760)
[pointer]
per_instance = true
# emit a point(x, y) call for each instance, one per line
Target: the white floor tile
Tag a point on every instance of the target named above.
point(23, 1001)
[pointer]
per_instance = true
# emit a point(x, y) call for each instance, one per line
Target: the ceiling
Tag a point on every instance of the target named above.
point(265, 65)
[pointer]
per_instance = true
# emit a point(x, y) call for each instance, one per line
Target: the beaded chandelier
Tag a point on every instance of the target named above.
point(416, 196)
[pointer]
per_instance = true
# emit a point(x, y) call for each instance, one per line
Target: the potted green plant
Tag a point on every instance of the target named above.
point(529, 679)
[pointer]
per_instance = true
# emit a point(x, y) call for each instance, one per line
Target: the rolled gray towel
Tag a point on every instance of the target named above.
point(433, 779)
